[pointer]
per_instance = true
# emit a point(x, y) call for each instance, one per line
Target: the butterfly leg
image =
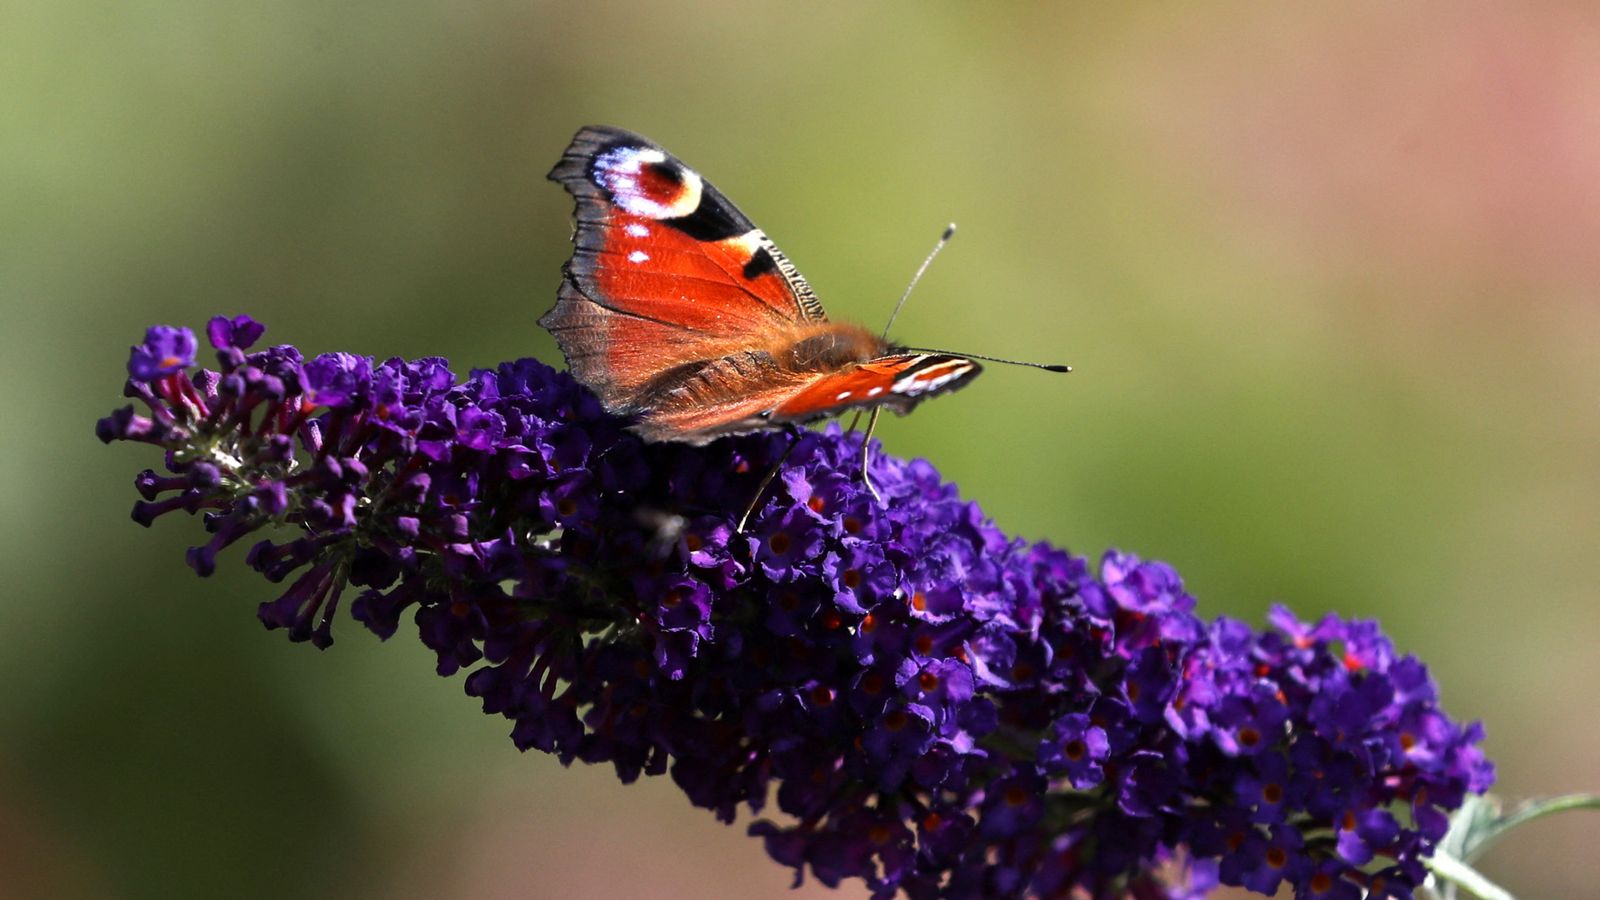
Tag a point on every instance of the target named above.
point(866, 455)
point(772, 472)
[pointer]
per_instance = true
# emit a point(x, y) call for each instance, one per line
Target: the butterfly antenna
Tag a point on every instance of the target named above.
point(949, 231)
point(1048, 367)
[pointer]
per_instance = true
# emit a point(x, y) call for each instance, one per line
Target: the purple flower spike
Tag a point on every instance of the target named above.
point(933, 708)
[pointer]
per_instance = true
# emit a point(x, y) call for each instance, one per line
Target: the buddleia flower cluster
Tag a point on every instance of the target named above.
point(933, 707)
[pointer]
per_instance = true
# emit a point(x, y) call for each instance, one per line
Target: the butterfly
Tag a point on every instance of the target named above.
point(681, 314)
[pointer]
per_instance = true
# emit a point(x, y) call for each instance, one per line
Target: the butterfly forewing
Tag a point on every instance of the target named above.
point(666, 272)
point(650, 229)
point(897, 381)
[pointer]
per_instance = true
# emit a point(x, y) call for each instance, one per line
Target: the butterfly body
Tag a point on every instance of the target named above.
point(676, 310)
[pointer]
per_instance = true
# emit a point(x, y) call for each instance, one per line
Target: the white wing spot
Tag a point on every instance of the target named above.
point(746, 244)
point(636, 229)
point(844, 395)
point(875, 392)
point(638, 256)
point(931, 379)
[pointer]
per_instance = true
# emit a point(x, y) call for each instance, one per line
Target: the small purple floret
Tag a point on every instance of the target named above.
point(236, 333)
point(165, 351)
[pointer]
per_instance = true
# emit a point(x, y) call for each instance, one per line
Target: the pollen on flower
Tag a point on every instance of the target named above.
point(1003, 719)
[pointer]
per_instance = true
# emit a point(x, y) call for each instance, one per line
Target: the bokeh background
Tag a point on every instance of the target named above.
point(1328, 273)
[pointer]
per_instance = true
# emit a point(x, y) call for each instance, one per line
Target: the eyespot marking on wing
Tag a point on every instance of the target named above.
point(646, 182)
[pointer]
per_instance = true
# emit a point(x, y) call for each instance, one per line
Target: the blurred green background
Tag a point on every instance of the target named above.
point(1329, 278)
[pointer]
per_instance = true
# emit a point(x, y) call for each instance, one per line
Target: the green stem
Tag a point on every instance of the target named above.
point(1534, 809)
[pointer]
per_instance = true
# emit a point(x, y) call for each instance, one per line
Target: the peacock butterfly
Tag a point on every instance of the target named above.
point(677, 311)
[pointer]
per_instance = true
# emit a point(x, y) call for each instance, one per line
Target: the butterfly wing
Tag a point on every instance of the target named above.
point(666, 272)
point(897, 381)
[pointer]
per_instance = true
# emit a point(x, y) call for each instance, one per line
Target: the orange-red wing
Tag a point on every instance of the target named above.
point(897, 382)
point(662, 263)
point(707, 419)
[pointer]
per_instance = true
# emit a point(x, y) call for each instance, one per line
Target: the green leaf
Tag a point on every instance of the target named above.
point(1478, 824)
